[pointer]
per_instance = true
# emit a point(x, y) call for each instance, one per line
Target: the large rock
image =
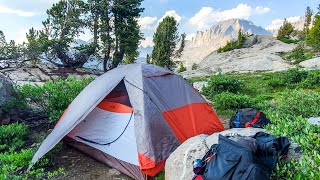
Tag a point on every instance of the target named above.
point(179, 164)
point(6, 90)
point(37, 75)
point(311, 63)
point(200, 85)
point(262, 55)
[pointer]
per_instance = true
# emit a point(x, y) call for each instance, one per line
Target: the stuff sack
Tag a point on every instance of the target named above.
point(248, 117)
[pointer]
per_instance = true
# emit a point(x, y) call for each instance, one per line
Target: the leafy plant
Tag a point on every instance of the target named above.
point(194, 66)
point(227, 100)
point(298, 103)
point(299, 54)
point(181, 68)
point(288, 40)
point(53, 97)
point(12, 136)
point(221, 83)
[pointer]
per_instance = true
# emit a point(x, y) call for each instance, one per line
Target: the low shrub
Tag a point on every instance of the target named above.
point(289, 41)
point(289, 78)
point(181, 68)
point(194, 66)
point(53, 97)
point(298, 103)
point(15, 157)
point(227, 100)
point(307, 136)
point(294, 75)
point(312, 80)
point(221, 83)
point(12, 136)
point(299, 54)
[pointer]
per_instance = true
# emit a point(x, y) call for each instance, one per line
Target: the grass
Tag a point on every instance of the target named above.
point(288, 98)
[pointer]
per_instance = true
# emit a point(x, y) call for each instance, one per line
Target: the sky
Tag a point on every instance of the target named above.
point(17, 16)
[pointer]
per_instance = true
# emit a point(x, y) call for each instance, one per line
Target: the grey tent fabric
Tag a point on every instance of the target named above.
point(166, 110)
point(85, 102)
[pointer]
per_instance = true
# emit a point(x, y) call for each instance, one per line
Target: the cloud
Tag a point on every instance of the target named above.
point(171, 13)
point(208, 16)
point(18, 12)
point(190, 36)
point(147, 42)
point(147, 22)
point(277, 23)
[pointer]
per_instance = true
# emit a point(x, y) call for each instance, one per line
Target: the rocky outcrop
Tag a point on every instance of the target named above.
point(205, 42)
point(311, 63)
point(199, 85)
point(37, 75)
point(6, 90)
point(261, 56)
point(179, 164)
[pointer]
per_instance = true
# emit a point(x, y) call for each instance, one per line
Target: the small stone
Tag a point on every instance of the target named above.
point(114, 172)
point(314, 121)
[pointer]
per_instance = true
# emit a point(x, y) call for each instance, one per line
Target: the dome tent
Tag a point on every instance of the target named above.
point(132, 118)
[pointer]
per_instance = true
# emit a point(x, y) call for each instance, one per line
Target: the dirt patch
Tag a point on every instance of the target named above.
point(80, 166)
point(225, 122)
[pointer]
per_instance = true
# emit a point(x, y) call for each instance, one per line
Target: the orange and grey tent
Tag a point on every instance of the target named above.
point(132, 118)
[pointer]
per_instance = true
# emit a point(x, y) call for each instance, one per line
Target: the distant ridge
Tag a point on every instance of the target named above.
point(205, 42)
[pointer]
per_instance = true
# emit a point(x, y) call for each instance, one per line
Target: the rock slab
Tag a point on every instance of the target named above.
point(6, 90)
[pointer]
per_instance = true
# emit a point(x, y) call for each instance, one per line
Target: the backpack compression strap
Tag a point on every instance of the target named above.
point(237, 122)
point(249, 124)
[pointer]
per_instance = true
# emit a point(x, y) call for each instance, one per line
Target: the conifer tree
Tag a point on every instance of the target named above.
point(165, 40)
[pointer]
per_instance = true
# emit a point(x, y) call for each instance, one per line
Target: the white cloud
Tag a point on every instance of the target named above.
point(18, 12)
point(171, 13)
point(86, 35)
point(21, 36)
point(275, 24)
point(147, 42)
point(147, 22)
point(208, 16)
point(190, 36)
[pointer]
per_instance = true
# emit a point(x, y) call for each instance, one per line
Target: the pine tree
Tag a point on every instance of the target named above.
point(241, 39)
point(105, 30)
point(285, 30)
point(64, 23)
point(313, 38)
point(33, 46)
point(126, 30)
point(307, 20)
point(148, 59)
point(165, 39)
point(2, 38)
point(182, 45)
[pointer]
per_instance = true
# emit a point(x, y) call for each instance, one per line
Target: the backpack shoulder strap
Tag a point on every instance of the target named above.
point(249, 124)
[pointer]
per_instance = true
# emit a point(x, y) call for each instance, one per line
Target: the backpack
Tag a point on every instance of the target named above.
point(242, 157)
point(248, 117)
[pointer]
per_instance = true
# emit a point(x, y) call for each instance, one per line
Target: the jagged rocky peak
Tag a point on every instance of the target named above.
point(229, 28)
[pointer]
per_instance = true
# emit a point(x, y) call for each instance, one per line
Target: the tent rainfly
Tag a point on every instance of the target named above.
point(132, 118)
